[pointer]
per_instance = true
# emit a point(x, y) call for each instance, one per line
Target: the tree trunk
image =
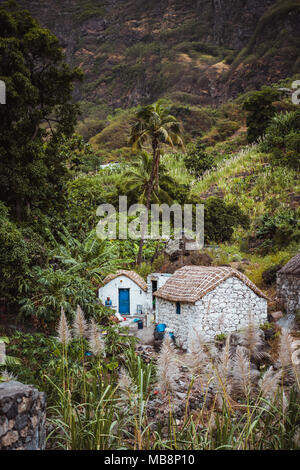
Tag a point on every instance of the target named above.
point(156, 174)
point(18, 210)
point(153, 177)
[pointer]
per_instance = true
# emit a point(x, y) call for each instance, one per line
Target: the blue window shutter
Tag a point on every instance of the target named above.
point(178, 308)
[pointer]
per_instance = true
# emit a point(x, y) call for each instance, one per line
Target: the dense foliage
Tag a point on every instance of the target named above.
point(282, 140)
point(101, 393)
point(104, 396)
point(38, 113)
point(197, 160)
point(221, 219)
point(260, 109)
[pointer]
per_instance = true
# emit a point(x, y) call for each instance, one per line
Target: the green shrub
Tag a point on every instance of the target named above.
point(220, 337)
point(35, 351)
point(197, 161)
point(266, 326)
point(277, 230)
point(221, 219)
point(282, 140)
point(47, 290)
point(260, 108)
point(143, 50)
point(85, 194)
point(88, 9)
point(269, 275)
point(15, 256)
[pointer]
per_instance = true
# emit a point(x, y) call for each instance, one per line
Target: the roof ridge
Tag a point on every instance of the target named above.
point(182, 287)
point(133, 275)
point(292, 266)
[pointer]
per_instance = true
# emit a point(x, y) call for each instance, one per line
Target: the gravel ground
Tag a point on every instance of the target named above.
point(145, 335)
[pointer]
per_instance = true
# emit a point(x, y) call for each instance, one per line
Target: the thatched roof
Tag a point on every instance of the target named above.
point(130, 274)
point(191, 283)
point(292, 267)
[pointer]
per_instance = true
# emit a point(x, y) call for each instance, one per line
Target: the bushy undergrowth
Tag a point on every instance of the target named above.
point(282, 140)
point(254, 264)
point(197, 160)
point(264, 192)
point(103, 399)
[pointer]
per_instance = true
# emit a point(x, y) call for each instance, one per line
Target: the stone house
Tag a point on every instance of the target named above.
point(288, 285)
point(154, 282)
point(211, 300)
point(129, 293)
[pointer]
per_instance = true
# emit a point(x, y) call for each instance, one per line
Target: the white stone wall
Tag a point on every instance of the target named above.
point(161, 279)
point(136, 294)
point(223, 310)
point(179, 324)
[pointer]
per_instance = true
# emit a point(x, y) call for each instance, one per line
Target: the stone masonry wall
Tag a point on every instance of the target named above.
point(179, 324)
point(2, 352)
point(288, 291)
point(161, 279)
point(225, 309)
point(22, 417)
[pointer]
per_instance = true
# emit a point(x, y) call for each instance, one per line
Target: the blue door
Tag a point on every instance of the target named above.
point(124, 303)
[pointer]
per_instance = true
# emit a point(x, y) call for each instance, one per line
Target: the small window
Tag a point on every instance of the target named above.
point(178, 308)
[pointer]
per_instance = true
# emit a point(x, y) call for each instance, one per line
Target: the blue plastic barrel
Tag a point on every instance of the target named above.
point(140, 325)
point(161, 327)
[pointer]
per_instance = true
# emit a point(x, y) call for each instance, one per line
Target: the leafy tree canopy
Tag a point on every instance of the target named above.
point(135, 180)
point(260, 109)
point(198, 160)
point(38, 112)
point(221, 219)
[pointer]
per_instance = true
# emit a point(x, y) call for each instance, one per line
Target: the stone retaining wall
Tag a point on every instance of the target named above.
point(22, 417)
point(2, 352)
point(288, 291)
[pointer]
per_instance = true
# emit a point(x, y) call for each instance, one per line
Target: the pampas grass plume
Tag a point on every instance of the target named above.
point(63, 331)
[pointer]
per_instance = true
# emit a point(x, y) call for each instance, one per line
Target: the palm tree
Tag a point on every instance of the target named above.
point(136, 180)
point(155, 125)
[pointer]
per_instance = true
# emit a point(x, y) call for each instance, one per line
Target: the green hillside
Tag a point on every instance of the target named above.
point(194, 53)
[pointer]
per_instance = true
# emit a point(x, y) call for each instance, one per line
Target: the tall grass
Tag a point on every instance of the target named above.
point(242, 408)
point(246, 159)
point(176, 167)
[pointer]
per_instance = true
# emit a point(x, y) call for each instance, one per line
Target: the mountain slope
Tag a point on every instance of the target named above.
point(195, 52)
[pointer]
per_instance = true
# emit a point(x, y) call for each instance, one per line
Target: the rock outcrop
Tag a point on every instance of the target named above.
point(22, 417)
point(135, 52)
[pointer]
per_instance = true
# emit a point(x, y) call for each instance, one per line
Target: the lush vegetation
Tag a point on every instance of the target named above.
point(48, 223)
point(100, 392)
point(105, 399)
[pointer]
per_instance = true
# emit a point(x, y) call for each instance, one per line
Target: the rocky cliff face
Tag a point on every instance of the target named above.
point(234, 21)
point(271, 51)
point(193, 51)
